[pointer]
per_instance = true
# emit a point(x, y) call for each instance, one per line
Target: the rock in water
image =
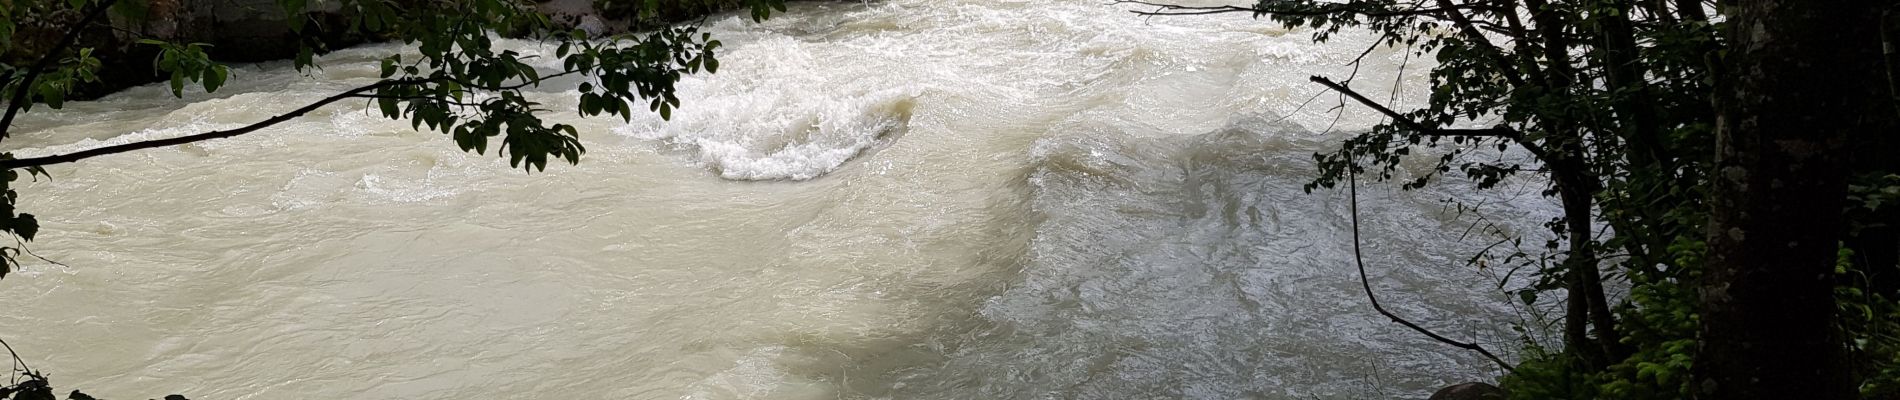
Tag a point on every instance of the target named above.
point(1469, 391)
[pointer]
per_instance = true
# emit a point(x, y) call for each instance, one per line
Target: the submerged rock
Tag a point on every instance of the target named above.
point(1469, 391)
point(606, 17)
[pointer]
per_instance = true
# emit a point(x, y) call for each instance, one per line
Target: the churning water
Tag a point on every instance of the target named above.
point(912, 199)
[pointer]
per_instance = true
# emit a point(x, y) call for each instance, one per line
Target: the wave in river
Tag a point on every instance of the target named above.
point(910, 199)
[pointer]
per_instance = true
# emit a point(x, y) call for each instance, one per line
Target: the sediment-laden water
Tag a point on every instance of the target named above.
point(912, 199)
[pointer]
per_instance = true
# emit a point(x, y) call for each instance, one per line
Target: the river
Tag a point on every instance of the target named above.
point(911, 199)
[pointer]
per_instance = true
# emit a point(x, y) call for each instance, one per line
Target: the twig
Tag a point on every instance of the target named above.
point(1296, 110)
point(417, 98)
point(1399, 78)
point(22, 244)
point(16, 357)
point(523, 84)
point(1414, 125)
point(1496, 131)
point(116, 149)
point(1366, 282)
point(1336, 117)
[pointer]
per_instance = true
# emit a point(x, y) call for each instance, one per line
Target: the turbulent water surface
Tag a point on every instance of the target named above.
point(912, 199)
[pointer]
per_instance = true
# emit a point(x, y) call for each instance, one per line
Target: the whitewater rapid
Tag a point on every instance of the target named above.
point(907, 199)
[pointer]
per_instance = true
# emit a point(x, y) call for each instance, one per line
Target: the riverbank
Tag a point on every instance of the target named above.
point(247, 31)
point(915, 199)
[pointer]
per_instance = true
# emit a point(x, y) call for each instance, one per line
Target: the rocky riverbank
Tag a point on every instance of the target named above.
point(258, 30)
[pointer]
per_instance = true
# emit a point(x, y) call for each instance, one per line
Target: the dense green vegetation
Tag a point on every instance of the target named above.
point(1665, 132)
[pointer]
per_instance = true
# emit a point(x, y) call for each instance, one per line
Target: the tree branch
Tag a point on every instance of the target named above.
point(1498, 132)
point(16, 356)
point(418, 98)
point(360, 92)
point(21, 93)
point(1366, 283)
point(1166, 9)
point(1520, 43)
point(1470, 30)
point(527, 83)
point(121, 148)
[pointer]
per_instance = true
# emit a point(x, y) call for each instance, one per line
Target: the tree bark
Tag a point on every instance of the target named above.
point(1793, 105)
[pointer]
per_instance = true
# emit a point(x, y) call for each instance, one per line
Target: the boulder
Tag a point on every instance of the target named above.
point(601, 17)
point(242, 31)
point(1470, 391)
point(237, 30)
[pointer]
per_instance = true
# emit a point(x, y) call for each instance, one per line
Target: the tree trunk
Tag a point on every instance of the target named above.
point(1586, 281)
point(1786, 117)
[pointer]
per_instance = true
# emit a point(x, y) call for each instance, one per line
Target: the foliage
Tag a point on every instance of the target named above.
point(36, 387)
point(1609, 102)
point(1869, 315)
point(31, 384)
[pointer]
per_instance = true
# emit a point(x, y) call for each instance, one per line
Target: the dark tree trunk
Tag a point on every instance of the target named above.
point(1798, 95)
point(1585, 280)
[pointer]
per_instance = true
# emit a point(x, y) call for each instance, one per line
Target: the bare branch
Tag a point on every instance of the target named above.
point(357, 93)
point(1366, 283)
point(535, 82)
point(418, 98)
point(121, 148)
point(21, 362)
point(1499, 132)
point(1408, 123)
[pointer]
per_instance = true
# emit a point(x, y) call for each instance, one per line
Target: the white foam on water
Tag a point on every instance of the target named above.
point(765, 117)
point(1059, 200)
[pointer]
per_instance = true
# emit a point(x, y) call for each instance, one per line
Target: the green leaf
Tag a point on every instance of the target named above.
point(26, 226)
point(34, 388)
point(305, 57)
point(215, 76)
point(388, 105)
point(292, 8)
point(178, 83)
point(52, 94)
